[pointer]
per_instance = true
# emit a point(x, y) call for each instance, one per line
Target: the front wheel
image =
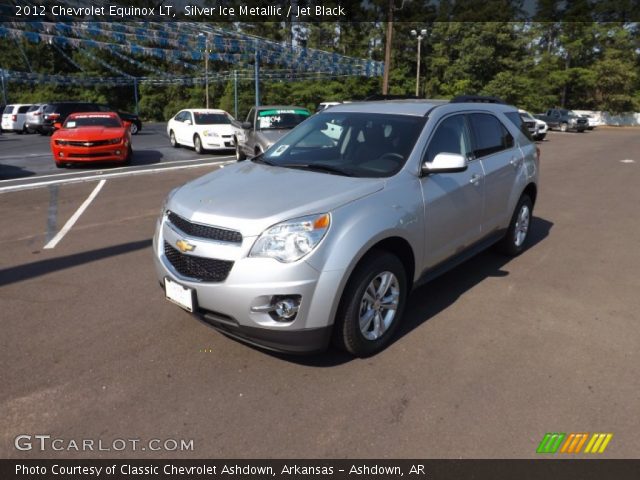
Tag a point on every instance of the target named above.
point(563, 127)
point(134, 128)
point(172, 139)
point(371, 306)
point(197, 144)
point(514, 241)
point(239, 154)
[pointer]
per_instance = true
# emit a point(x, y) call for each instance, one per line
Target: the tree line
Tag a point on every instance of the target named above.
point(578, 63)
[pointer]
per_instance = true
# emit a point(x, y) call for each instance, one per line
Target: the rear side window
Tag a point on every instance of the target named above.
point(33, 108)
point(490, 136)
point(518, 121)
point(50, 108)
point(24, 109)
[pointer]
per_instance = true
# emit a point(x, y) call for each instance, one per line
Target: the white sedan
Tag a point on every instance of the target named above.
point(202, 129)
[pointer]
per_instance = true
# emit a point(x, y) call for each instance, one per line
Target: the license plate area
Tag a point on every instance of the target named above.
point(182, 296)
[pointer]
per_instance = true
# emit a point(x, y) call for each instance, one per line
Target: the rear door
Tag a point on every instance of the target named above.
point(496, 149)
point(22, 116)
point(453, 201)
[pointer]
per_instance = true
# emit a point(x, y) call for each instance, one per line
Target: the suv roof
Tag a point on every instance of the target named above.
point(423, 106)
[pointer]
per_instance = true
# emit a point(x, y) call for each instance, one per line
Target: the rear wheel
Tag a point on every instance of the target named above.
point(134, 129)
point(513, 242)
point(563, 127)
point(372, 305)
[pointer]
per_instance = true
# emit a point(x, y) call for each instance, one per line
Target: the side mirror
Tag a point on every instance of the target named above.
point(187, 122)
point(57, 125)
point(126, 124)
point(246, 125)
point(445, 163)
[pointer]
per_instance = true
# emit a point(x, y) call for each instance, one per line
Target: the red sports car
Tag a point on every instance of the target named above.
point(92, 137)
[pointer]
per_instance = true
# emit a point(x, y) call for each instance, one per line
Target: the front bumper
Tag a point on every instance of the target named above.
point(106, 153)
point(217, 143)
point(230, 305)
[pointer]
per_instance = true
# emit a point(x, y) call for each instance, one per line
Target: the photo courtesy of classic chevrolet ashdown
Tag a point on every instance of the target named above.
point(321, 237)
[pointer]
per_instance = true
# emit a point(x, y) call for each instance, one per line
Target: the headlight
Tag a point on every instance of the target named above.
point(210, 133)
point(166, 200)
point(62, 142)
point(115, 141)
point(291, 240)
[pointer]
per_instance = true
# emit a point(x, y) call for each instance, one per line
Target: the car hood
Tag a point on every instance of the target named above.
point(251, 197)
point(220, 129)
point(272, 136)
point(89, 133)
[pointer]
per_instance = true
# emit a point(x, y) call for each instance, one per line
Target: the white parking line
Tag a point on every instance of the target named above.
point(74, 218)
point(28, 186)
point(130, 168)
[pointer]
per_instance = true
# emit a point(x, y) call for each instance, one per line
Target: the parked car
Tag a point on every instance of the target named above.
point(264, 126)
point(537, 128)
point(322, 238)
point(14, 117)
point(92, 137)
point(1, 112)
point(563, 120)
point(202, 129)
point(132, 118)
point(34, 118)
point(591, 121)
point(57, 112)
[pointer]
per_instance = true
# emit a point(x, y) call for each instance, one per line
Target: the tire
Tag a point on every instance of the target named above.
point(363, 328)
point(197, 144)
point(127, 160)
point(514, 241)
point(59, 165)
point(172, 140)
point(239, 154)
point(563, 127)
point(134, 129)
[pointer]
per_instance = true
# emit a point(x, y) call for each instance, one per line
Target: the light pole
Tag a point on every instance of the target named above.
point(206, 66)
point(419, 36)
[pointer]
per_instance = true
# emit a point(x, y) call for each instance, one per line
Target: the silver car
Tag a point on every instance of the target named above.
point(322, 237)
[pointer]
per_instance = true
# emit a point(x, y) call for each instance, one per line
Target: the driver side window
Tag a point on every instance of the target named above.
point(450, 137)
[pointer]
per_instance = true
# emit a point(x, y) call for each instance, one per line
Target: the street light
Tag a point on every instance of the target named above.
point(419, 36)
point(206, 66)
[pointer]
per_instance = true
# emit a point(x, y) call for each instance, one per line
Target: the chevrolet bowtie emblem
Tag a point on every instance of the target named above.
point(185, 246)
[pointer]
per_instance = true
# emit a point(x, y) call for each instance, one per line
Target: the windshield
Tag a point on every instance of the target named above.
point(211, 119)
point(281, 118)
point(352, 144)
point(92, 121)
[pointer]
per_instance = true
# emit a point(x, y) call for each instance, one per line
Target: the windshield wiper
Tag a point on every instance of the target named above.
point(319, 167)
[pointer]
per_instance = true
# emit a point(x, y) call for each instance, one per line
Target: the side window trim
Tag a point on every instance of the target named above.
point(467, 136)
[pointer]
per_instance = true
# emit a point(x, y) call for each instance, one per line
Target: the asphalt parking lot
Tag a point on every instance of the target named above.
point(491, 356)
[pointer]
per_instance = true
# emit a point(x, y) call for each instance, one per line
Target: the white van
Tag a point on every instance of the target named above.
point(14, 117)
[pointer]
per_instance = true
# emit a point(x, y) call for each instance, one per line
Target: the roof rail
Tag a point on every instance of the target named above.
point(476, 99)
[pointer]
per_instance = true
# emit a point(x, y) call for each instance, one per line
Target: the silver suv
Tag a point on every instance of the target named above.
point(322, 237)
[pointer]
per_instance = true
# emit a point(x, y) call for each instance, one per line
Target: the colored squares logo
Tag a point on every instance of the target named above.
point(574, 442)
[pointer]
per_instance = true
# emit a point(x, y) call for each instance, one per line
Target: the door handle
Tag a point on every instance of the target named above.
point(475, 179)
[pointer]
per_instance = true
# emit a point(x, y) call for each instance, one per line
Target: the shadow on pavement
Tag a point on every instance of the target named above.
point(428, 300)
point(31, 270)
point(8, 172)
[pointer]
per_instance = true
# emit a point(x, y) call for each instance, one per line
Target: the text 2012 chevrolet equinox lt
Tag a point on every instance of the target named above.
point(322, 237)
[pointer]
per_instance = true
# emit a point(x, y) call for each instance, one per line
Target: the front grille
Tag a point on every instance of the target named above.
point(94, 143)
point(90, 155)
point(199, 268)
point(204, 231)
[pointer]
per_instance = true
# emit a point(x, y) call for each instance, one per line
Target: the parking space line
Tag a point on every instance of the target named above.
point(88, 178)
point(74, 218)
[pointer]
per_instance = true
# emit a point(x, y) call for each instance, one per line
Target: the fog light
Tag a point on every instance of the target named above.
point(61, 154)
point(286, 309)
point(117, 152)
